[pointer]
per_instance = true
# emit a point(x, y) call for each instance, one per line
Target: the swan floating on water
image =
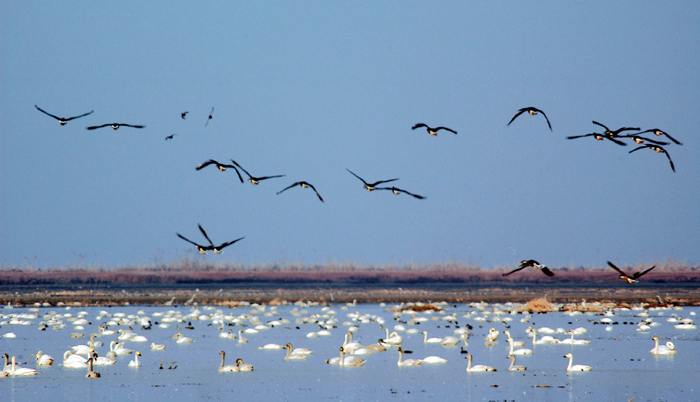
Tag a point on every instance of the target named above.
point(478, 367)
point(668, 349)
point(231, 368)
point(575, 367)
point(513, 366)
point(407, 362)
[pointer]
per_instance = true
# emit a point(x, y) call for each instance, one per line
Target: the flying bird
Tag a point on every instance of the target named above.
point(183, 115)
point(398, 191)
point(627, 278)
point(533, 111)
point(303, 184)
point(532, 263)
point(599, 137)
point(255, 180)
point(641, 140)
point(200, 248)
point(433, 131)
point(369, 186)
point(210, 116)
point(216, 249)
point(170, 137)
point(657, 149)
point(220, 166)
point(656, 131)
point(62, 120)
point(616, 132)
point(114, 126)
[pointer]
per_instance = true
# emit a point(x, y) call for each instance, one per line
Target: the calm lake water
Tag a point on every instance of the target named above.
point(619, 354)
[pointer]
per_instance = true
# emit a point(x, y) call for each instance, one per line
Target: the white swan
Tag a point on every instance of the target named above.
point(517, 344)
point(668, 349)
point(433, 360)
point(492, 335)
point(16, 370)
point(575, 367)
point(298, 351)
point(243, 366)
point(393, 339)
point(231, 368)
point(101, 361)
point(572, 341)
point(119, 349)
point(43, 359)
point(135, 363)
point(241, 339)
point(293, 356)
point(271, 346)
point(450, 341)
point(430, 340)
point(407, 362)
point(184, 339)
point(519, 352)
point(73, 361)
point(156, 346)
point(513, 366)
point(545, 340)
point(478, 367)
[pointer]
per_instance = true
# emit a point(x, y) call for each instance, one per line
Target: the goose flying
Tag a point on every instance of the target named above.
point(398, 191)
point(302, 184)
point(255, 180)
point(433, 131)
point(628, 278)
point(599, 137)
point(657, 132)
point(220, 166)
point(115, 126)
point(657, 149)
point(533, 111)
point(62, 120)
point(370, 186)
point(532, 263)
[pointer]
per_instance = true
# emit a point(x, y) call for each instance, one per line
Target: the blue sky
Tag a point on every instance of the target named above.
point(308, 89)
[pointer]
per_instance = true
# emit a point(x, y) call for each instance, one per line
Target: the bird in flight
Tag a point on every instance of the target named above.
point(183, 115)
point(657, 149)
point(210, 116)
point(641, 140)
point(615, 133)
point(62, 120)
point(255, 180)
point(599, 137)
point(370, 186)
point(533, 111)
point(398, 191)
point(220, 166)
point(656, 131)
point(532, 263)
point(302, 184)
point(170, 137)
point(217, 249)
point(433, 131)
point(627, 278)
point(200, 248)
point(114, 126)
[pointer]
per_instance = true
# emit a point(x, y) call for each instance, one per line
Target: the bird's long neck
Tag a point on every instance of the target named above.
point(341, 362)
point(571, 361)
point(400, 356)
point(512, 362)
point(425, 336)
point(469, 362)
point(223, 356)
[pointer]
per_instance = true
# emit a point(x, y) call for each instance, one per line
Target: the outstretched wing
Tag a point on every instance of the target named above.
point(419, 125)
point(361, 179)
point(445, 128)
point(95, 127)
point(245, 171)
point(602, 125)
point(516, 270)
point(616, 268)
point(573, 137)
point(201, 229)
point(376, 183)
point(222, 246)
point(639, 147)
point(546, 271)
point(131, 125)
point(269, 177)
point(545, 117)
point(288, 187)
point(207, 163)
point(47, 113)
point(317, 194)
point(82, 115)
point(640, 273)
point(521, 111)
point(187, 240)
point(618, 142)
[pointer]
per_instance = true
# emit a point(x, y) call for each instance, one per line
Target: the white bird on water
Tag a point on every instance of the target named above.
point(575, 367)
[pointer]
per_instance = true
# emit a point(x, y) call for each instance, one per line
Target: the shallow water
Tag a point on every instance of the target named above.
point(622, 365)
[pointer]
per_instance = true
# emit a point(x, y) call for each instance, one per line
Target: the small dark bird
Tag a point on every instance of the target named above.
point(533, 111)
point(216, 249)
point(398, 191)
point(657, 149)
point(616, 132)
point(369, 186)
point(641, 140)
point(627, 278)
point(114, 126)
point(303, 184)
point(656, 131)
point(62, 120)
point(210, 116)
point(255, 180)
point(599, 137)
point(183, 115)
point(532, 263)
point(170, 137)
point(173, 366)
point(433, 131)
point(221, 167)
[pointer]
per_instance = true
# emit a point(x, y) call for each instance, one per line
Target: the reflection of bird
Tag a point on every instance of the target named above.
point(616, 132)
point(398, 191)
point(170, 137)
point(657, 149)
point(183, 114)
point(656, 131)
point(627, 278)
point(532, 263)
point(115, 126)
point(599, 137)
point(303, 184)
point(533, 111)
point(255, 180)
point(62, 120)
point(220, 166)
point(210, 116)
point(369, 186)
point(433, 131)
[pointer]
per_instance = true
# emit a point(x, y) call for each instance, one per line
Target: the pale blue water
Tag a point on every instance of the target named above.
point(622, 365)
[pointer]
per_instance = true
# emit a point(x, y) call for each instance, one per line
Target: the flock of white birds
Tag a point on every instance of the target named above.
point(123, 338)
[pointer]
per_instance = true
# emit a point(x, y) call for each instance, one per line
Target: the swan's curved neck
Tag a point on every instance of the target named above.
point(469, 362)
point(425, 336)
point(341, 362)
point(223, 356)
point(571, 362)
